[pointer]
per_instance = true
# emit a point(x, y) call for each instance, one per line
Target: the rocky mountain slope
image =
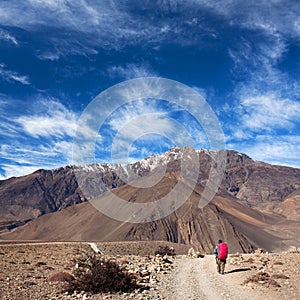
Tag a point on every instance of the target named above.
point(256, 205)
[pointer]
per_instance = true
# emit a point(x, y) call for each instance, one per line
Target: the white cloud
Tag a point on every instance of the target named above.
point(104, 21)
point(43, 138)
point(152, 129)
point(55, 120)
point(131, 71)
point(11, 76)
point(266, 129)
point(114, 24)
point(257, 54)
point(105, 24)
point(16, 171)
point(24, 159)
point(6, 36)
point(149, 120)
point(47, 55)
point(133, 110)
point(148, 123)
point(297, 25)
point(281, 150)
point(270, 16)
point(269, 112)
point(53, 4)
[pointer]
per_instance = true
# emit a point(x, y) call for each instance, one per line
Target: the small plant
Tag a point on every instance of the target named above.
point(97, 275)
point(165, 250)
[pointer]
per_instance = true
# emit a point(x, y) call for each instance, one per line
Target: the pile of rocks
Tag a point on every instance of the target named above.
point(148, 269)
point(192, 253)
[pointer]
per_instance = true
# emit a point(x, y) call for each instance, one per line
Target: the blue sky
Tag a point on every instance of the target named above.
point(56, 56)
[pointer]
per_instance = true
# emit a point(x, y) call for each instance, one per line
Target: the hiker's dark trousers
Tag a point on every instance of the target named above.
point(221, 265)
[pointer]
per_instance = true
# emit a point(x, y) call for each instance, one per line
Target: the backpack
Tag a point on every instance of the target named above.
point(222, 251)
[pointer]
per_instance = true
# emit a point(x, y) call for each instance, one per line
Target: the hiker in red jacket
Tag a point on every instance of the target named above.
point(221, 253)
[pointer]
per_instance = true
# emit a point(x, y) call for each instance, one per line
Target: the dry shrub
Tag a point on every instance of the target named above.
point(165, 250)
point(263, 278)
point(257, 278)
point(278, 263)
point(97, 275)
point(61, 276)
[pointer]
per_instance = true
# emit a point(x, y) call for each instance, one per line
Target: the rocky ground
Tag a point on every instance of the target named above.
point(26, 271)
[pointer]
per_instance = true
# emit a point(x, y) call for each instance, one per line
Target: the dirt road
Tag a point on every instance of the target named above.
point(196, 279)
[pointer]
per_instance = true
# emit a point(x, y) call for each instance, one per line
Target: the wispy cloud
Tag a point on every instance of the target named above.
point(130, 71)
point(12, 76)
point(269, 112)
point(23, 159)
point(143, 128)
point(264, 119)
point(266, 128)
point(6, 36)
point(41, 138)
point(270, 16)
point(116, 24)
point(107, 24)
point(51, 119)
point(48, 55)
point(281, 150)
point(16, 171)
point(133, 110)
point(145, 121)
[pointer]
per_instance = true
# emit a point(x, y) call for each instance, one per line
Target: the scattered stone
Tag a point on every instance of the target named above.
point(28, 283)
point(61, 276)
point(40, 263)
point(259, 251)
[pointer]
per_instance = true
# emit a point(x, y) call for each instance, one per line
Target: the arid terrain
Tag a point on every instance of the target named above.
point(27, 269)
